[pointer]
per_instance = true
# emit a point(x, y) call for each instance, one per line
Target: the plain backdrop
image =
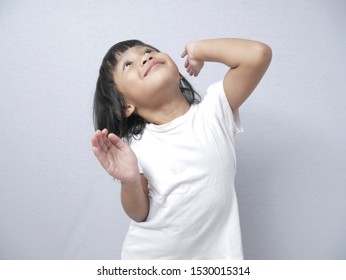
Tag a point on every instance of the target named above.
point(56, 201)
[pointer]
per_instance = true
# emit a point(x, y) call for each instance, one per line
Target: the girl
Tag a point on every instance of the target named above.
point(174, 154)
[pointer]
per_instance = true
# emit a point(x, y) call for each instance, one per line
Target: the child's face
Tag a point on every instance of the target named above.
point(146, 78)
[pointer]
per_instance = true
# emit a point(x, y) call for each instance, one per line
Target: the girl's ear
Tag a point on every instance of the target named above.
point(129, 109)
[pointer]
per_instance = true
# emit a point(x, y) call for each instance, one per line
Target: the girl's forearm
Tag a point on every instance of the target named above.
point(231, 52)
point(134, 200)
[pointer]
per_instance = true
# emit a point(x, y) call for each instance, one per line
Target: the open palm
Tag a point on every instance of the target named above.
point(115, 156)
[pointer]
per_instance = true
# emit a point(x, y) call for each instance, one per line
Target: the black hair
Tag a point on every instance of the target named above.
point(109, 103)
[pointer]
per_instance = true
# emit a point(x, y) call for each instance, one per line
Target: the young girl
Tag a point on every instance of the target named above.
point(174, 154)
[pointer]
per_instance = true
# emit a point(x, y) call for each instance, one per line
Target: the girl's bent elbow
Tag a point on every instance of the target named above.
point(264, 53)
point(140, 219)
point(139, 216)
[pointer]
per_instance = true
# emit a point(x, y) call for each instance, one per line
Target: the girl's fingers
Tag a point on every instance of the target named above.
point(113, 138)
point(94, 144)
point(186, 64)
point(104, 142)
point(96, 147)
point(183, 54)
point(99, 141)
point(116, 141)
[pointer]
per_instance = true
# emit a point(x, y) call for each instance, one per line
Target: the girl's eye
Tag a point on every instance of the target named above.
point(126, 65)
point(148, 51)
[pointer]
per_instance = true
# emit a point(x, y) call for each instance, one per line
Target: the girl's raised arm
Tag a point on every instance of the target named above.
point(248, 61)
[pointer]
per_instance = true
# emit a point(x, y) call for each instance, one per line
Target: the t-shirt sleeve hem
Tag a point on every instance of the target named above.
point(234, 115)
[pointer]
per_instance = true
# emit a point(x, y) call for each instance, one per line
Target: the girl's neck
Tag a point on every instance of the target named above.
point(168, 111)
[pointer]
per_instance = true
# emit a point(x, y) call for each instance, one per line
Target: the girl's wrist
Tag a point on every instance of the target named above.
point(131, 182)
point(192, 49)
point(200, 50)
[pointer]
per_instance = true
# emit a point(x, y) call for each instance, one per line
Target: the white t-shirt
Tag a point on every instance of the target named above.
point(190, 164)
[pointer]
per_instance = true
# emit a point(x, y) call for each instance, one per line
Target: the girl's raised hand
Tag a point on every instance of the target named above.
point(192, 64)
point(115, 156)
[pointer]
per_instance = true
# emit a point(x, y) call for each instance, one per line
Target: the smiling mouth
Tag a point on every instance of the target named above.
point(152, 66)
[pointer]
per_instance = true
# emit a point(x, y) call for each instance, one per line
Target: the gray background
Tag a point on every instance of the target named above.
point(56, 202)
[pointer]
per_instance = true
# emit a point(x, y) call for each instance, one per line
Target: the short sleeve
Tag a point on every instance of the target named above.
point(216, 103)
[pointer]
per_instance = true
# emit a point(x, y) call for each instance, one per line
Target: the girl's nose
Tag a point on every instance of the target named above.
point(146, 58)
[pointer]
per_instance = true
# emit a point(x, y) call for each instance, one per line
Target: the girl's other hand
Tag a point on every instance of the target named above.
point(192, 64)
point(115, 156)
